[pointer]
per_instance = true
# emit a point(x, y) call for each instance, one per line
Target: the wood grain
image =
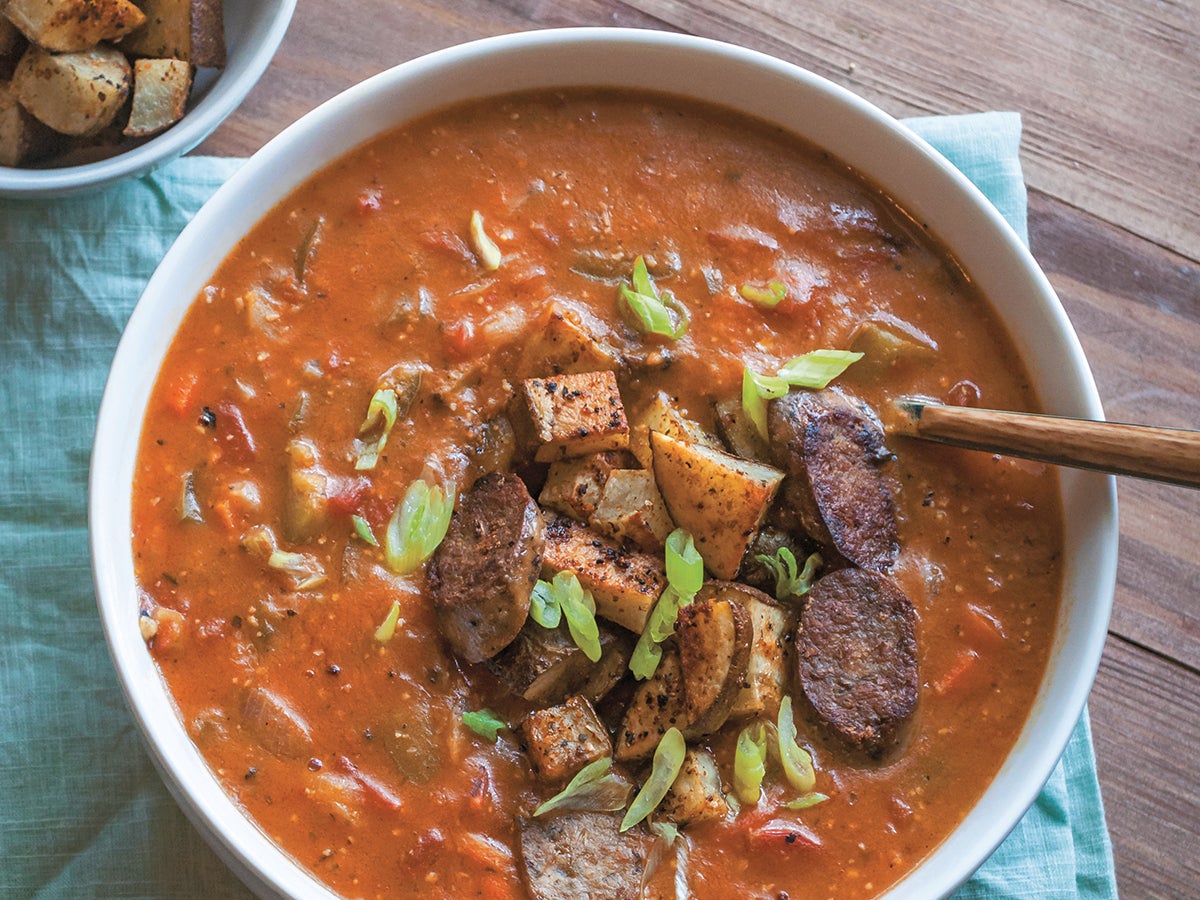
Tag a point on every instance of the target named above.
point(1109, 91)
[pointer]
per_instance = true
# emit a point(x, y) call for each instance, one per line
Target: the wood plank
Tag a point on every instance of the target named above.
point(1146, 726)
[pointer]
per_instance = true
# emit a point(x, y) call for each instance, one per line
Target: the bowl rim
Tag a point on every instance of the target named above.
point(269, 869)
point(222, 98)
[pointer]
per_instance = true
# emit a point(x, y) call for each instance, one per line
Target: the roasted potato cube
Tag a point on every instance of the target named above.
point(720, 499)
point(563, 739)
point(574, 486)
point(70, 25)
point(12, 45)
point(73, 93)
point(22, 137)
point(714, 634)
point(696, 794)
point(191, 30)
point(624, 583)
point(663, 416)
point(766, 671)
point(657, 705)
point(160, 92)
point(306, 503)
point(574, 415)
point(631, 508)
point(737, 432)
point(566, 340)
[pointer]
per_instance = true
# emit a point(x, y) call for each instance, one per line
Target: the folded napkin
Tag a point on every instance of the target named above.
point(82, 811)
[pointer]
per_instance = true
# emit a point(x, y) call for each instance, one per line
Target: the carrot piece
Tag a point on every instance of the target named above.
point(182, 394)
point(963, 663)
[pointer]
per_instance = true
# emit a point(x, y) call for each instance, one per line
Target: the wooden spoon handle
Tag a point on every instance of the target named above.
point(1144, 451)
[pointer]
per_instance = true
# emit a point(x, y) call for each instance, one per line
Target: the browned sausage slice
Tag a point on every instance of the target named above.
point(856, 654)
point(581, 855)
point(481, 576)
point(831, 452)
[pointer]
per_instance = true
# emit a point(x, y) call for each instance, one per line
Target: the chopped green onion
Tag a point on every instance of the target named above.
point(665, 830)
point(418, 525)
point(363, 529)
point(668, 759)
point(797, 762)
point(189, 506)
point(685, 568)
point(806, 801)
point(756, 391)
point(484, 723)
point(579, 609)
point(305, 570)
point(750, 763)
point(595, 787)
point(485, 248)
point(816, 369)
point(652, 311)
point(387, 629)
point(543, 605)
point(381, 416)
point(768, 296)
point(789, 582)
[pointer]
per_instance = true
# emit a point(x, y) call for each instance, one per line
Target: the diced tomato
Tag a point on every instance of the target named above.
point(494, 887)
point(783, 833)
point(370, 200)
point(181, 397)
point(233, 434)
point(377, 510)
point(460, 336)
point(349, 496)
point(963, 664)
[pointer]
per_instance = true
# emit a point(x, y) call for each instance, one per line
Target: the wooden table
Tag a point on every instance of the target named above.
point(1110, 94)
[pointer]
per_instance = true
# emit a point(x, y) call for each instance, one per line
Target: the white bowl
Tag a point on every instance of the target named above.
point(861, 135)
point(253, 31)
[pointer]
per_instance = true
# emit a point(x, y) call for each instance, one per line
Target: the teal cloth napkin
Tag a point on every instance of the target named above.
point(82, 811)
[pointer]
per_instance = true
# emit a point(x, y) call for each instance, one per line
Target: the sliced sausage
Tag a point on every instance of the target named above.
point(581, 855)
point(856, 655)
point(831, 452)
point(483, 573)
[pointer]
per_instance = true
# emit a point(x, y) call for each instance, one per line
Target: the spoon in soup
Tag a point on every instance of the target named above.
point(1143, 451)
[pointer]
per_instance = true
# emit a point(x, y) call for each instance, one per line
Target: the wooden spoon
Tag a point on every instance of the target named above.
point(1162, 454)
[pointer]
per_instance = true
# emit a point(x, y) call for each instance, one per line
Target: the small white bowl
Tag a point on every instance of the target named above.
point(853, 130)
point(253, 32)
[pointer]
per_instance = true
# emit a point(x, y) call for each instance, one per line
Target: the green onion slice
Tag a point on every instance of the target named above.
point(756, 391)
point(484, 723)
point(595, 787)
point(816, 369)
point(788, 581)
point(381, 417)
point(797, 762)
point(768, 296)
point(685, 568)
point(387, 629)
point(806, 801)
point(659, 626)
point(651, 311)
point(579, 609)
point(485, 248)
point(543, 605)
point(750, 763)
point(668, 759)
point(418, 525)
point(304, 570)
point(363, 529)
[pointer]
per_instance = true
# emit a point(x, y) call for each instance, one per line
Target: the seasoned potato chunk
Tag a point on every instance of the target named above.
point(624, 583)
point(69, 25)
point(574, 415)
point(721, 499)
point(22, 137)
point(563, 739)
point(565, 340)
point(663, 416)
point(574, 486)
point(714, 635)
point(657, 705)
point(191, 30)
point(73, 93)
point(632, 509)
point(695, 795)
point(761, 689)
point(160, 92)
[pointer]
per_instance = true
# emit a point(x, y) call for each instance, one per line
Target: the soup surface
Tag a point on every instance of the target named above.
point(326, 684)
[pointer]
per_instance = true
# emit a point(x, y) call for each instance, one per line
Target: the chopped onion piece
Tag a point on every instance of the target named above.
point(659, 626)
point(543, 605)
point(363, 529)
point(418, 525)
point(485, 248)
point(756, 391)
point(651, 311)
point(816, 369)
point(797, 762)
point(769, 296)
point(189, 506)
point(668, 759)
point(750, 763)
point(596, 787)
point(387, 630)
point(579, 609)
point(806, 801)
point(305, 571)
point(484, 723)
point(685, 568)
point(381, 417)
